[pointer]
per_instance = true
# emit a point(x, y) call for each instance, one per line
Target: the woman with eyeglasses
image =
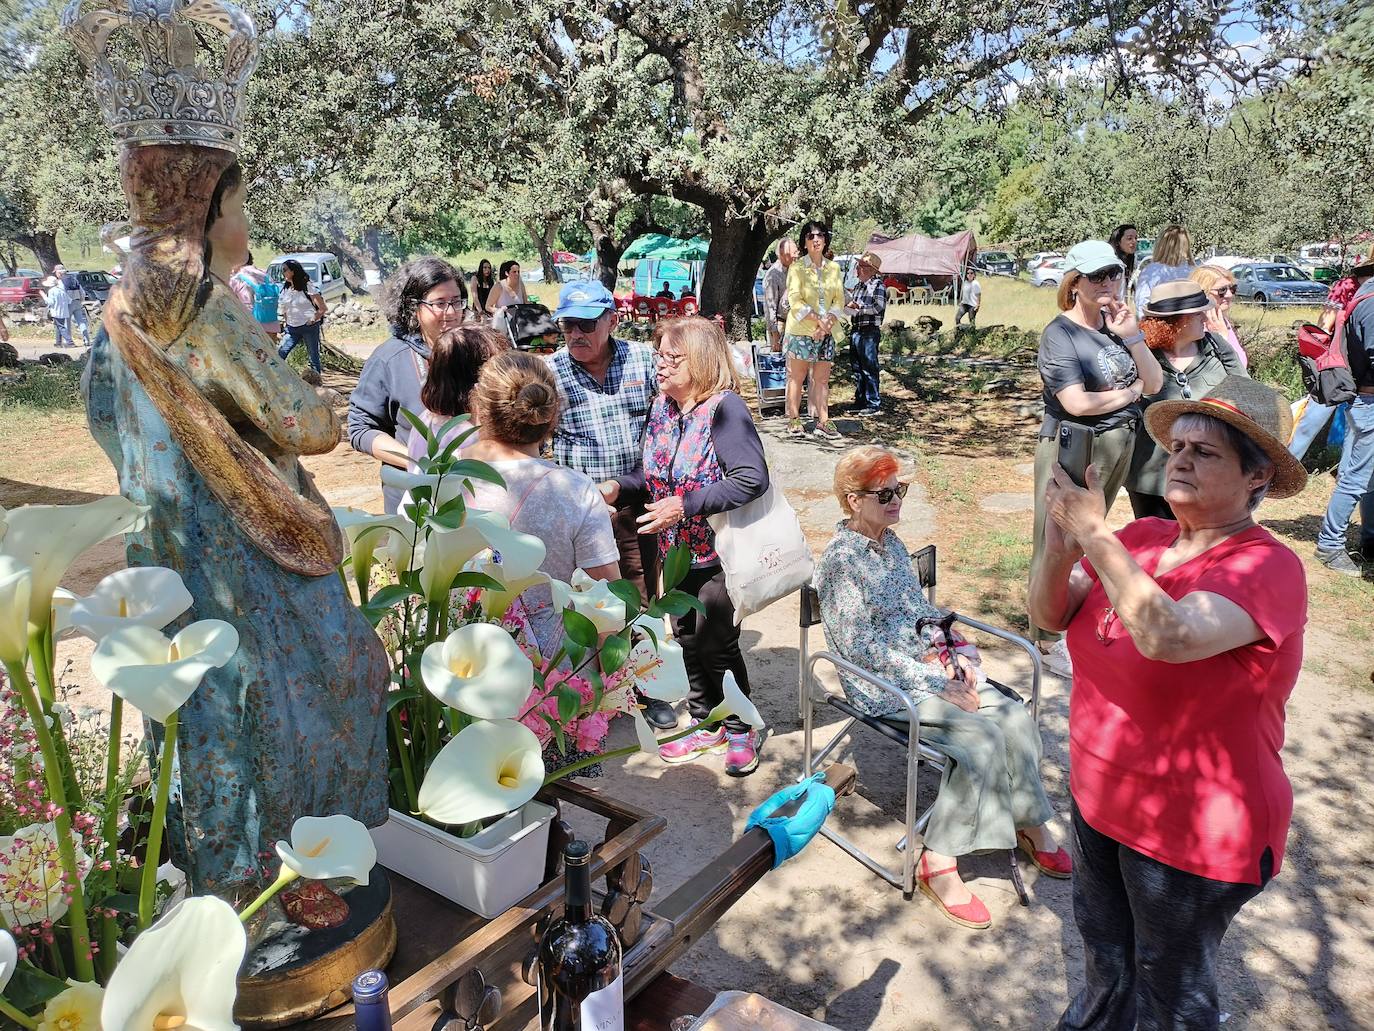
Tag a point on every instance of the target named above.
point(877, 616)
point(1220, 286)
point(421, 300)
point(815, 297)
point(301, 309)
point(1095, 367)
point(1194, 361)
point(702, 455)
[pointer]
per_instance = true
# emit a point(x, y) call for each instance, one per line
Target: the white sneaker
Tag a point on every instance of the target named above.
point(1057, 660)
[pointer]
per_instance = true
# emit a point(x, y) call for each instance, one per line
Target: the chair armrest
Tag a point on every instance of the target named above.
point(1026, 646)
point(858, 672)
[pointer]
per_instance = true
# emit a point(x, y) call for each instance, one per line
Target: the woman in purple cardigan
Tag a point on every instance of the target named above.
point(702, 455)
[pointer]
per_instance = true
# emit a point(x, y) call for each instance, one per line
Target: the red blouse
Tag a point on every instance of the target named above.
point(1180, 761)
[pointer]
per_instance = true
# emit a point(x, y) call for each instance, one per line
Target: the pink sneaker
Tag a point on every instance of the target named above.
point(693, 746)
point(741, 753)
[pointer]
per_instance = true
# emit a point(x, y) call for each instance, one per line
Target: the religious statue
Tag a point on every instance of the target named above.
point(205, 425)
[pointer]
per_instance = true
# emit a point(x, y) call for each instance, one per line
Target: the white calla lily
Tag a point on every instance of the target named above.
point(156, 674)
point(479, 669)
point(139, 596)
point(591, 598)
point(365, 533)
point(181, 972)
point(401, 549)
point(735, 703)
point(489, 768)
point(661, 671)
point(644, 734)
point(16, 584)
point(32, 887)
point(63, 601)
point(447, 551)
point(322, 847)
point(46, 538)
point(445, 488)
point(9, 959)
point(76, 1008)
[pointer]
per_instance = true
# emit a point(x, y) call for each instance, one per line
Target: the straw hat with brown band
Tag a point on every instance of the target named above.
point(1258, 411)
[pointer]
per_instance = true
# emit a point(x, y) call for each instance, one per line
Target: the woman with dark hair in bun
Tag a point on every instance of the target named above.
point(516, 406)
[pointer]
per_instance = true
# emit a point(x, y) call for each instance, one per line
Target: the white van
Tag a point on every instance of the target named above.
point(322, 267)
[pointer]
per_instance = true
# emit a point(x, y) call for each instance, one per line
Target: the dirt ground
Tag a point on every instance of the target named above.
point(821, 934)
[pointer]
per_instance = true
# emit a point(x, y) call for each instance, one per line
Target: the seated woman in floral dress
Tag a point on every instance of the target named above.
point(876, 615)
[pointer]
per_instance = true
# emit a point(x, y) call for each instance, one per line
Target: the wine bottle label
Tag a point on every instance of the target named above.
point(604, 1010)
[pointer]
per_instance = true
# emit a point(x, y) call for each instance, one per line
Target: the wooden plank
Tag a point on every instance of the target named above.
point(665, 999)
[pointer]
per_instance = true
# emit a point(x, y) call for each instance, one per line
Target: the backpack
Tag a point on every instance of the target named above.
point(1324, 361)
point(265, 297)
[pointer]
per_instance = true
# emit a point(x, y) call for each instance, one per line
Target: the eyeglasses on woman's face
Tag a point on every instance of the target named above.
point(1102, 275)
point(446, 305)
point(886, 494)
point(670, 359)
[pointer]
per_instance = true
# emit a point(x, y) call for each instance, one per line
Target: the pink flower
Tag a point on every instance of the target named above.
point(591, 731)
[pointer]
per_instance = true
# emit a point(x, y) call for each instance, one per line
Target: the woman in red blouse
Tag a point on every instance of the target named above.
point(1186, 642)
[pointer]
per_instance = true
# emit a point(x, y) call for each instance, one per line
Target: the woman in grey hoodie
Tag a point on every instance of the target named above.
point(421, 300)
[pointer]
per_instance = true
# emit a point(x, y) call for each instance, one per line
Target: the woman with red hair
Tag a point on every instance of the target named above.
point(876, 616)
point(1194, 360)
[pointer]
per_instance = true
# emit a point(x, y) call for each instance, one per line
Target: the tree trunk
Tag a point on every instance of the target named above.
point(544, 237)
point(354, 259)
point(44, 247)
point(606, 264)
point(732, 262)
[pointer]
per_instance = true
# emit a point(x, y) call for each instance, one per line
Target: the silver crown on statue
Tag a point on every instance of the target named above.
point(158, 80)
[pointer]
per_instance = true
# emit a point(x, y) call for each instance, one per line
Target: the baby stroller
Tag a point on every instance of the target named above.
point(531, 328)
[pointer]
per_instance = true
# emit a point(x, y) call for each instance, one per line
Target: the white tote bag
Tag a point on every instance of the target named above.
point(763, 552)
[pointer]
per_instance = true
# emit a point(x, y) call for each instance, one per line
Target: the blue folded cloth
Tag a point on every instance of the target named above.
point(791, 834)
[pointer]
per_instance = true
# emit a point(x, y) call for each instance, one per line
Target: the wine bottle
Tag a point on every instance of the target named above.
point(581, 987)
point(371, 1005)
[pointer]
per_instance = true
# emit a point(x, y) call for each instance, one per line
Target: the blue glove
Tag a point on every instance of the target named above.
point(791, 834)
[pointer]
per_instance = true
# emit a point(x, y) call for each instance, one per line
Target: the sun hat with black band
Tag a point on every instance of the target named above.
point(1364, 268)
point(1259, 412)
point(1177, 297)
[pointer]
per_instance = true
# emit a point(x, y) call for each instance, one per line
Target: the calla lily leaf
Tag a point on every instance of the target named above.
point(16, 585)
point(139, 596)
point(156, 674)
point(329, 846)
point(489, 768)
point(47, 538)
point(480, 670)
point(185, 965)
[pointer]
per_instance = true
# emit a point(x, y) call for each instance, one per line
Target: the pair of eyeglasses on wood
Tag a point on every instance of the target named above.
point(886, 494)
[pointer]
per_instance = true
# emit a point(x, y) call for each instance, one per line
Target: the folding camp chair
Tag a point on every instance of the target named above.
point(917, 754)
point(770, 376)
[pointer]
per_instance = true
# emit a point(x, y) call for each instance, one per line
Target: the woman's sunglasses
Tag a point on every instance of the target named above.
point(1102, 275)
point(1222, 291)
point(886, 494)
point(815, 236)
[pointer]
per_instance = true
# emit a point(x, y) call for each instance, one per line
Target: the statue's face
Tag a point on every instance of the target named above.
point(228, 235)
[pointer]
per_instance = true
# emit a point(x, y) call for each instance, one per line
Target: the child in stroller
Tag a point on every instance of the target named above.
point(531, 328)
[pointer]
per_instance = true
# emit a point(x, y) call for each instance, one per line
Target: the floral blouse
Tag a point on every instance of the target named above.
point(871, 600)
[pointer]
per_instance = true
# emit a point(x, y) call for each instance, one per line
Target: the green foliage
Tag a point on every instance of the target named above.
point(44, 389)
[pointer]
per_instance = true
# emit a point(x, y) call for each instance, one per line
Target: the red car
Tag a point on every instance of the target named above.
point(20, 292)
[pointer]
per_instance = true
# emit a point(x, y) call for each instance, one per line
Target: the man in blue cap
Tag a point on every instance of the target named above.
point(605, 387)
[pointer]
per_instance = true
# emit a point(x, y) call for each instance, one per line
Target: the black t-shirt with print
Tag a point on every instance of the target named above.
point(1069, 354)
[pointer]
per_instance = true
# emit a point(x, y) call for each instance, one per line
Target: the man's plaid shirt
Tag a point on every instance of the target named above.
point(871, 300)
point(601, 425)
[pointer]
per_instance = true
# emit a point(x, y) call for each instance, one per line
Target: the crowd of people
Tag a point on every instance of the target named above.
point(1182, 633)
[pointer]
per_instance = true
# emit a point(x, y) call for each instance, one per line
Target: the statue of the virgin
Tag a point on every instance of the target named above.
point(205, 425)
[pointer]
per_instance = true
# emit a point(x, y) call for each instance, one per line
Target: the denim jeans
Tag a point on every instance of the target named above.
point(1354, 480)
point(863, 351)
point(1150, 937)
point(1314, 417)
point(82, 321)
point(62, 330)
point(309, 335)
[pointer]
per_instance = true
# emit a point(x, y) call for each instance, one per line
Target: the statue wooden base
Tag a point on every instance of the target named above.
point(297, 974)
point(443, 946)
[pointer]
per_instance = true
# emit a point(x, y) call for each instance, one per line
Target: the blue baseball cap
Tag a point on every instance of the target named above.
point(586, 300)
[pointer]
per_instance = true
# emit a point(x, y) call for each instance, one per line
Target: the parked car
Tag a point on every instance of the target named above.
point(322, 267)
point(21, 292)
point(97, 285)
point(1277, 284)
point(566, 273)
point(996, 263)
point(1042, 258)
point(1049, 273)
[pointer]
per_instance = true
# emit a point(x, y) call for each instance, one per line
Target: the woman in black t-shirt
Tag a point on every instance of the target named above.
point(1095, 366)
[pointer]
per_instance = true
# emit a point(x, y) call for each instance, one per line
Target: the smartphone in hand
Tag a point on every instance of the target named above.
point(1075, 451)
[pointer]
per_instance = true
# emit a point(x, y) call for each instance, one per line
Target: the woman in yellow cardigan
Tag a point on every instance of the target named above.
point(815, 295)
